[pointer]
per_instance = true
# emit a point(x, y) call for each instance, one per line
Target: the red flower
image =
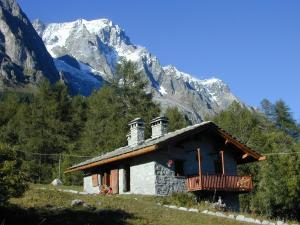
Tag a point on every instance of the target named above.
point(170, 163)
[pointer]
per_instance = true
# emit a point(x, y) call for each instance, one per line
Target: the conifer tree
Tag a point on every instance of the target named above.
point(284, 119)
point(276, 180)
point(176, 119)
point(111, 108)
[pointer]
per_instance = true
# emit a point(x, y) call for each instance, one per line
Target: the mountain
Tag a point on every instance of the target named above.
point(24, 59)
point(87, 53)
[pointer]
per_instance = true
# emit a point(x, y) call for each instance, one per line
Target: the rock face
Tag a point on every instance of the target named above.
point(23, 57)
point(92, 49)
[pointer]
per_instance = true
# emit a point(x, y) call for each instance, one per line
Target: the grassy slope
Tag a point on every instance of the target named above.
point(53, 207)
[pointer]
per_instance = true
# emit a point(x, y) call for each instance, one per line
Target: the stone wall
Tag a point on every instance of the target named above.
point(166, 182)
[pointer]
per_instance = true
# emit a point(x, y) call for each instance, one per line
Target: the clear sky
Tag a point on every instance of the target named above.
point(253, 45)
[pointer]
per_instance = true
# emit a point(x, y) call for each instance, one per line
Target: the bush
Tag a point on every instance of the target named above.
point(180, 199)
point(13, 181)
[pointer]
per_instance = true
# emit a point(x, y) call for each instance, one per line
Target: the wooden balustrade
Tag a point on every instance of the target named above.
point(220, 183)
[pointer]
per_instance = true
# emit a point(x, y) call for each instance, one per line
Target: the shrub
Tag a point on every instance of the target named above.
point(180, 199)
point(13, 181)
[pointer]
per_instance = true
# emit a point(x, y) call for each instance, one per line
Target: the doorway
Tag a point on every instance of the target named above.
point(126, 187)
point(106, 178)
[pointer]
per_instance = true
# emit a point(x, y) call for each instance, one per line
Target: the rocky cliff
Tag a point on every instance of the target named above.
point(24, 59)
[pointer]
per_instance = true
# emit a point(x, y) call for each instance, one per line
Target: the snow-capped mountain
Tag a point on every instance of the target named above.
point(86, 53)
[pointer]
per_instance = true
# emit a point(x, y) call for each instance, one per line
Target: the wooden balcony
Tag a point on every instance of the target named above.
point(220, 183)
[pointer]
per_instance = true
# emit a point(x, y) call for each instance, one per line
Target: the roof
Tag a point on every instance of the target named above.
point(153, 144)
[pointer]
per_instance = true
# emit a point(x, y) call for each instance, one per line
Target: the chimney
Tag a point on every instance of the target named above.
point(136, 134)
point(159, 126)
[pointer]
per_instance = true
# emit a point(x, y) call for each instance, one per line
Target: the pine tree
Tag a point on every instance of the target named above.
point(284, 119)
point(176, 119)
point(45, 127)
point(268, 109)
point(111, 108)
point(276, 180)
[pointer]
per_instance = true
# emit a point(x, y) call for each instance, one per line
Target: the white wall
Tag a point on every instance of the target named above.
point(88, 185)
point(121, 181)
point(142, 178)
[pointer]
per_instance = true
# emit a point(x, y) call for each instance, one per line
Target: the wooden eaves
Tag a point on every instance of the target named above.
point(247, 151)
point(137, 152)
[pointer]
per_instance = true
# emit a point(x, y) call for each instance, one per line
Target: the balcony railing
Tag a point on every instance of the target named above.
point(220, 183)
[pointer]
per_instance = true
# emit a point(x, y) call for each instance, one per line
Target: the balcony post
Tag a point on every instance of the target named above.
point(223, 163)
point(199, 166)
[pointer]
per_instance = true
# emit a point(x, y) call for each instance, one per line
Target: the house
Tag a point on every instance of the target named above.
point(201, 158)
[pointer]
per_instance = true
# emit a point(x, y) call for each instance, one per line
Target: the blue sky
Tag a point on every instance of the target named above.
point(253, 45)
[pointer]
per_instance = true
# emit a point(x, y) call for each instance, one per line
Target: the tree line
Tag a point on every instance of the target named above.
point(272, 131)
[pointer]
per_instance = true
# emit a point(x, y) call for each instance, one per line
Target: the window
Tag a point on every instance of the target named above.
point(179, 168)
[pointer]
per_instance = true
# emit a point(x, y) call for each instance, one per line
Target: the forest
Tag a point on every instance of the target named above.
point(44, 132)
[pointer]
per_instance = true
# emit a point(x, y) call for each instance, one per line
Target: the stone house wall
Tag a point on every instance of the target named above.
point(230, 163)
point(121, 180)
point(150, 174)
point(166, 182)
point(88, 184)
point(142, 178)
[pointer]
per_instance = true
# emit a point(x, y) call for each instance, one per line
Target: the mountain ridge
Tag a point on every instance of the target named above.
point(100, 44)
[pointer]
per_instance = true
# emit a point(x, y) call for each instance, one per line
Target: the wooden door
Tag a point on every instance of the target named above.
point(114, 181)
point(106, 179)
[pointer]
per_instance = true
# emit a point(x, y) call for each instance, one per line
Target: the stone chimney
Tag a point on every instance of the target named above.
point(159, 126)
point(136, 134)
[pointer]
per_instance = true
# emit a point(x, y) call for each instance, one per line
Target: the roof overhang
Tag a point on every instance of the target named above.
point(248, 154)
point(137, 152)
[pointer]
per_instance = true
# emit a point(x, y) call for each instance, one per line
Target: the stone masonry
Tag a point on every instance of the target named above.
point(166, 182)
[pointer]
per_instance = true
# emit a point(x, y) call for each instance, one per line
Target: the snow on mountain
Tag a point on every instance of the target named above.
point(87, 52)
point(81, 80)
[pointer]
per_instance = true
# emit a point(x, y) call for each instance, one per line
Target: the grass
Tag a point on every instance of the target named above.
point(49, 186)
point(47, 207)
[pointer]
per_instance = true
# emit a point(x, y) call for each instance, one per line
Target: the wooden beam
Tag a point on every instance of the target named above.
point(238, 144)
point(113, 159)
point(245, 156)
point(262, 158)
point(199, 167)
point(199, 162)
point(223, 162)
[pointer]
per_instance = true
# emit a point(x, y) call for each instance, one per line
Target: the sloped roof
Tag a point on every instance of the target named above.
point(153, 144)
